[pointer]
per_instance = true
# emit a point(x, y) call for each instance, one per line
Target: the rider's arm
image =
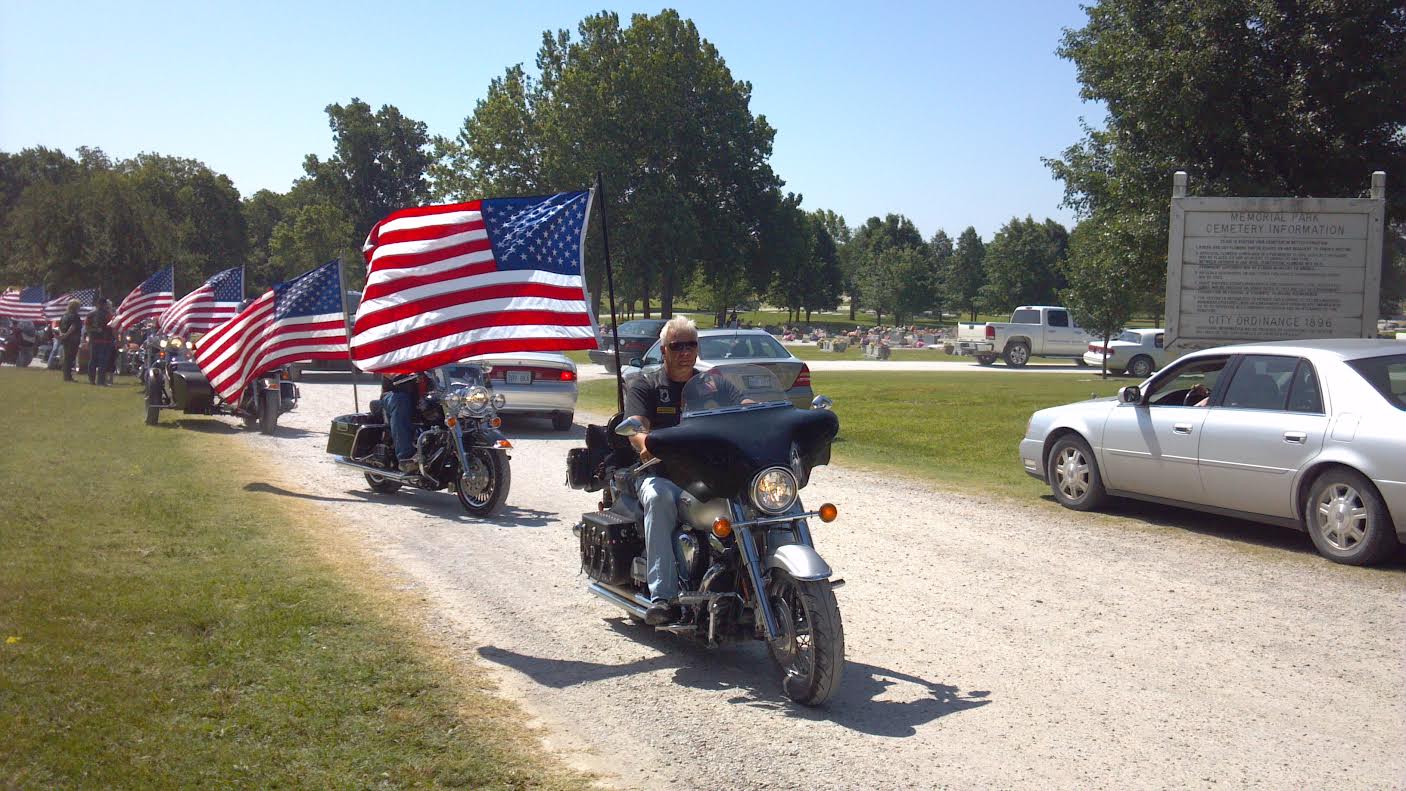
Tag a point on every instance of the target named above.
point(637, 440)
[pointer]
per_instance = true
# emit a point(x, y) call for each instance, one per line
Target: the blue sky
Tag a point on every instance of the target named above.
point(938, 110)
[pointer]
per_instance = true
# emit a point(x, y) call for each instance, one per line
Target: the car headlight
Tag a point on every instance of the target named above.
point(477, 400)
point(774, 490)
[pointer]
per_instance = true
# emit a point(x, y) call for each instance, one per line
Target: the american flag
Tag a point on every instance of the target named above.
point(497, 275)
point(87, 303)
point(23, 303)
point(148, 300)
point(207, 307)
point(302, 319)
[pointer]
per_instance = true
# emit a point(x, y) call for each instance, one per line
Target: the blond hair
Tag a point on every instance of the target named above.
point(675, 326)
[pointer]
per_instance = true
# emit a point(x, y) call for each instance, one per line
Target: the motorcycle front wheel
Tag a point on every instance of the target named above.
point(269, 407)
point(811, 649)
point(484, 486)
point(153, 399)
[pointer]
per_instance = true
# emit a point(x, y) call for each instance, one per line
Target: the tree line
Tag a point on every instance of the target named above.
point(1252, 97)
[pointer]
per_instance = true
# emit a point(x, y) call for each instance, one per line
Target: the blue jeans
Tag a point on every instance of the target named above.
point(659, 497)
point(399, 407)
point(99, 360)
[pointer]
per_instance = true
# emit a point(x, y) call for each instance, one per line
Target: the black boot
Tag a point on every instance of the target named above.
point(661, 612)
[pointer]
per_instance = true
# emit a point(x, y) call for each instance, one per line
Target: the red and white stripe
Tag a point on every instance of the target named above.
point(197, 312)
point(138, 307)
point(434, 295)
point(12, 307)
point(253, 342)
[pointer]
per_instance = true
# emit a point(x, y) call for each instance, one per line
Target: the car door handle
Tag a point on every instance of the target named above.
point(1181, 428)
point(1296, 437)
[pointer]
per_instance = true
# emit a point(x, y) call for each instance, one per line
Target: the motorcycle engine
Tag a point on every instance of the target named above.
point(691, 552)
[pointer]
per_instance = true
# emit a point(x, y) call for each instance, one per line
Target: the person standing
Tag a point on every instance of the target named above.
point(100, 344)
point(70, 333)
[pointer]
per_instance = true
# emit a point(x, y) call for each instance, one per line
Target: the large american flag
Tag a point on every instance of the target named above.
point(148, 300)
point(207, 307)
point(302, 319)
point(23, 303)
point(87, 303)
point(497, 275)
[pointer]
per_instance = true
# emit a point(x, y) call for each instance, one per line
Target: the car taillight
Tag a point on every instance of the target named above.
point(568, 376)
point(802, 378)
point(1095, 348)
point(990, 333)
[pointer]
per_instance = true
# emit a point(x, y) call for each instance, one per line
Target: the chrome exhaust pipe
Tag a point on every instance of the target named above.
point(633, 605)
point(390, 475)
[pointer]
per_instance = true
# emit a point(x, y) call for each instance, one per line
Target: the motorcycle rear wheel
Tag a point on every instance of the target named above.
point(483, 500)
point(811, 650)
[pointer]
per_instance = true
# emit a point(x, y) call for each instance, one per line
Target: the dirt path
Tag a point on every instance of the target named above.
point(990, 643)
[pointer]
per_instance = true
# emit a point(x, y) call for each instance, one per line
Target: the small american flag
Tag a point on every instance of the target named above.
point(302, 319)
point(207, 307)
point(148, 300)
point(23, 304)
point(497, 275)
point(87, 303)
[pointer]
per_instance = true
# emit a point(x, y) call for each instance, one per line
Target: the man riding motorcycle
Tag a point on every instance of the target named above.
point(655, 398)
point(399, 394)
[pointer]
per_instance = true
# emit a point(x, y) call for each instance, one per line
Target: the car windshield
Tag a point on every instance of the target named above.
point(1387, 375)
point(650, 328)
point(741, 347)
point(732, 388)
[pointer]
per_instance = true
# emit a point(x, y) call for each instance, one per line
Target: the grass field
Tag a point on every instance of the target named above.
point(957, 429)
point(162, 627)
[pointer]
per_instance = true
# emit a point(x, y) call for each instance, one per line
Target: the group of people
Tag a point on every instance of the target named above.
point(102, 341)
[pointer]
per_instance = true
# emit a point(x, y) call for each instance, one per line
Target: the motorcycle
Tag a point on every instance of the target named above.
point(457, 441)
point(174, 381)
point(746, 561)
point(19, 343)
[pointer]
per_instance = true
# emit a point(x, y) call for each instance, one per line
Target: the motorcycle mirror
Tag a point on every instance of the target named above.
point(629, 427)
point(822, 402)
point(1130, 395)
point(636, 362)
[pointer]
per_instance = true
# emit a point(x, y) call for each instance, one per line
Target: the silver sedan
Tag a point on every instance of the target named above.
point(1306, 434)
point(736, 347)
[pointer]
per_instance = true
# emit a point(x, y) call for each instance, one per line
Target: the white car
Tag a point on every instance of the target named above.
point(535, 384)
point(1134, 352)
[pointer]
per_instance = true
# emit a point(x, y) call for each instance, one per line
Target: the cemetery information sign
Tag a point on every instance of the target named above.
point(1243, 270)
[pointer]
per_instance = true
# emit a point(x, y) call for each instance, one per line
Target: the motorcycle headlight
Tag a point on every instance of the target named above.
point(477, 400)
point(774, 490)
point(163, 343)
point(176, 342)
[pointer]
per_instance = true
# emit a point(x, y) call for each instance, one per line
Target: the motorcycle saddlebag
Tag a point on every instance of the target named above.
point(609, 544)
point(347, 429)
point(191, 389)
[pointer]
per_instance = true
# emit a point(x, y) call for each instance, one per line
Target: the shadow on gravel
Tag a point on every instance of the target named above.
point(204, 426)
point(748, 670)
point(268, 488)
point(445, 505)
point(1228, 528)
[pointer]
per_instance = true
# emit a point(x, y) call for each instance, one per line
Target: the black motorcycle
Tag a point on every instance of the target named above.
point(19, 343)
point(747, 565)
point(457, 441)
point(174, 381)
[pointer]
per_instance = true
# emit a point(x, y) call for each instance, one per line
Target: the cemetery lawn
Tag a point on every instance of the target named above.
point(164, 627)
point(960, 430)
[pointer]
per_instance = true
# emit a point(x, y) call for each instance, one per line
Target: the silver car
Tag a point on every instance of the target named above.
point(1306, 434)
point(753, 347)
point(534, 384)
point(1133, 352)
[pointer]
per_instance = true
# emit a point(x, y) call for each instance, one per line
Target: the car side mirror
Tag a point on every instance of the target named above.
point(629, 427)
point(636, 362)
point(822, 402)
point(1130, 395)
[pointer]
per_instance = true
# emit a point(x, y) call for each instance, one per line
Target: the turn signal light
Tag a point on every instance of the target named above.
point(828, 512)
point(502, 443)
point(722, 528)
point(450, 422)
point(495, 422)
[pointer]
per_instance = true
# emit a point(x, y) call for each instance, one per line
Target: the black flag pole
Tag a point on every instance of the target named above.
point(346, 319)
point(610, 282)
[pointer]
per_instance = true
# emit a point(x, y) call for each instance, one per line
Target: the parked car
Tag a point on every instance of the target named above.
point(1034, 330)
point(754, 347)
point(1134, 352)
point(635, 337)
point(534, 384)
point(1306, 434)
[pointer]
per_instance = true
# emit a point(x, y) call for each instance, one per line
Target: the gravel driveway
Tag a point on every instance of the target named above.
point(990, 643)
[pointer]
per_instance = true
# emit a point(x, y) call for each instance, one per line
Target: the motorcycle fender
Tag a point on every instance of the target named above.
point(486, 437)
point(803, 563)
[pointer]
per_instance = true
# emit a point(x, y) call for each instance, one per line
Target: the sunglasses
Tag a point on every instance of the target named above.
point(679, 346)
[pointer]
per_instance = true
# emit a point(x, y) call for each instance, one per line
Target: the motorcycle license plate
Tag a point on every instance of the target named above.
point(519, 377)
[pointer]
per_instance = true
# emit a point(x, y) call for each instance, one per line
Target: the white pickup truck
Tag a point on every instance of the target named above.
point(1040, 330)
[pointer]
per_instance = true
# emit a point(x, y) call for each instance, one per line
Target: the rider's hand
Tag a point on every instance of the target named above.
point(645, 455)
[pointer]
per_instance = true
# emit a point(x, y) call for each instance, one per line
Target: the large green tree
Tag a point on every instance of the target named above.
point(1098, 273)
point(1251, 97)
point(967, 273)
point(1022, 264)
point(380, 163)
point(202, 208)
point(894, 271)
point(306, 237)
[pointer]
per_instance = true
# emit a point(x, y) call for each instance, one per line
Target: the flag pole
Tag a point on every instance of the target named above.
point(610, 282)
point(346, 321)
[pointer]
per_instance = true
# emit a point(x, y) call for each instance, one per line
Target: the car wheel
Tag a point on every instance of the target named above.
point(561, 421)
point(1074, 476)
point(1140, 366)
point(1347, 520)
point(1017, 354)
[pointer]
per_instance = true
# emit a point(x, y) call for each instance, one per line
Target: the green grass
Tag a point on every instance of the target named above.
point(163, 627)
point(956, 429)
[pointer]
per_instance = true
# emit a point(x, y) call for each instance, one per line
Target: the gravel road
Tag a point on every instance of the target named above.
point(990, 643)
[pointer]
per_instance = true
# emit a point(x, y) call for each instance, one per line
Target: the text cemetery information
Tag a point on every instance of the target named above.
point(1274, 272)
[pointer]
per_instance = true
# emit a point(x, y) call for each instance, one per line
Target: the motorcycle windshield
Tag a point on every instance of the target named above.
point(736, 423)
point(457, 375)
point(732, 388)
